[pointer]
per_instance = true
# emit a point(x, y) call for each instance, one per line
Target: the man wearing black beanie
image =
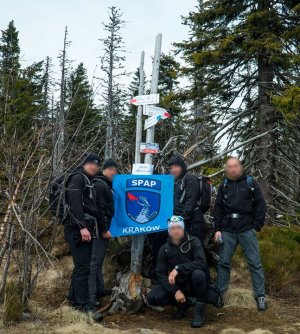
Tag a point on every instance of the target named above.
point(105, 204)
point(79, 229)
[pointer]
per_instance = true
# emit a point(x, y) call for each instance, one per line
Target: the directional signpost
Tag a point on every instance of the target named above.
point(151, 121)
point(153, 110)
point(155, 113)
point(154, 119)
point(142, 100)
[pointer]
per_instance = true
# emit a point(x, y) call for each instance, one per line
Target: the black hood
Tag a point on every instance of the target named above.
point(178, 161)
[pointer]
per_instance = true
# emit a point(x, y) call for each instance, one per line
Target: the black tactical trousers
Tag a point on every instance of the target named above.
point(81, 253)
point(196, 286)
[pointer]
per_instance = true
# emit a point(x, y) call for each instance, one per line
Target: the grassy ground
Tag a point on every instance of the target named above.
point(281, 258)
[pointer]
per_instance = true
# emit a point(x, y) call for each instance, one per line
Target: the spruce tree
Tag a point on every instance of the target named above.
point(171, 100)
point(244, 53)
point(82, 117)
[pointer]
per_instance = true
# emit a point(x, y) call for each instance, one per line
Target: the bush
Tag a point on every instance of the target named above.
point(280, 255)
point(13, 307)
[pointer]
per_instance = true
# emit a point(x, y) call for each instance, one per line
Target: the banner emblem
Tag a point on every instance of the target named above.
point(142, 206)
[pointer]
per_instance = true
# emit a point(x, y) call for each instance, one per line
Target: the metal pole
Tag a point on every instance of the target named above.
point(137, 245)
point(153, 90)
point(139, 116)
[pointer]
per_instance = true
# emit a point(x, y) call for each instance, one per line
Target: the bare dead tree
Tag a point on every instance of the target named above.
point(112, 65)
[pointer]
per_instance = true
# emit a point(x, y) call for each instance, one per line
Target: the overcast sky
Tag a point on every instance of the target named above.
point(41, 24)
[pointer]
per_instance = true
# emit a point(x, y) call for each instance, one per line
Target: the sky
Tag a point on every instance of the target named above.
point(41, 25)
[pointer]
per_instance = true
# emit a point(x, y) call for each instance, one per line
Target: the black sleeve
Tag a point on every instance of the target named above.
point(259, 207)
point(192, 189)
point(199, 259)
point(75, 189)
point(219, 209)
point(100, 196)
point(162, 272)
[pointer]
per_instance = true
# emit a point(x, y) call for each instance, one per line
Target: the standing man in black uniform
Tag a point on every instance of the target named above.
point(239, 214)
point(106, 210)
point(186, 197)
point(79, 228)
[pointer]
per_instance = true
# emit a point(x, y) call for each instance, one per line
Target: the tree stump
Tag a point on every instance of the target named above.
point(127, 296)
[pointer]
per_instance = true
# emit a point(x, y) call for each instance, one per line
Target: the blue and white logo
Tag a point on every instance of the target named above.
point(138, 204)
point(142, 206)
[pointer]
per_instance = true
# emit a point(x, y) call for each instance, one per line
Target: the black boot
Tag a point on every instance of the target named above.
point(220, 302)
point(91, 309)
point(261, 303)
point(98, 304)
point(182, 309)
point(198, 320)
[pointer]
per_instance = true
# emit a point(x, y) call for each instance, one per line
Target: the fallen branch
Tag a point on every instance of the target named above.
point(216, 173)
point(214, 133)
point(222, 154)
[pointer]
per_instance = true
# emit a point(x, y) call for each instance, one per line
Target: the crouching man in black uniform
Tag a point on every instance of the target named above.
point(181, 271)
point(79, 229)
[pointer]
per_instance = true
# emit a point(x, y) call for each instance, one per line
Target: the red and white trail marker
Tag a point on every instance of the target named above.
point(142, 100)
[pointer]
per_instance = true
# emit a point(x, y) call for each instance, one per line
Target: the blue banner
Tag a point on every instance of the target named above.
point(143, 204)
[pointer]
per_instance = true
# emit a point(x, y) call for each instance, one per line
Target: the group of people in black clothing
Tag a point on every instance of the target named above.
point(181, 266)
point(89, 200)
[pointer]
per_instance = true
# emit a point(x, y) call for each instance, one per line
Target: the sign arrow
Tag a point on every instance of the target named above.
point(142, 100)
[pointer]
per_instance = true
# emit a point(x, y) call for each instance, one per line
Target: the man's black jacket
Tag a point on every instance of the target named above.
point(80, 198)
point(105, 202)
point(248, 203)
point(187, 208)
point(170, 255)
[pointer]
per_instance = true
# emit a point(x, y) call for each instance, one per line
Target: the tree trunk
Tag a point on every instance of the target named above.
point(266, 120)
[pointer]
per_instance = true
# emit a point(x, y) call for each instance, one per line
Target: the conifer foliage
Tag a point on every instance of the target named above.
point(243, 54)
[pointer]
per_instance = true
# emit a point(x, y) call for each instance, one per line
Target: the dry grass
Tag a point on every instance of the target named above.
point(240, 331)
point(239, 297)
point(232, 331)
point(260, 331)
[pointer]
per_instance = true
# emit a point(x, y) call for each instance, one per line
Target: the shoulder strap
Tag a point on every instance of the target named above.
point(97, 179)
point(250, 183)
point(224, 189)
point(225, 182)
point(86, 179)
point(183, 181)
point(182, 188)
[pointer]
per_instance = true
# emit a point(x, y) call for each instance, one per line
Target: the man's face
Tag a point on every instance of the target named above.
point(176, 233)
point(91, 168)
point(234, 169)
point(176, 170)
point(110, 172)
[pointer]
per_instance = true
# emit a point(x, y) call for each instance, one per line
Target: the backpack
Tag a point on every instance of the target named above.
point(206, 191)
point(98, 179)
point(250, 184)
point(57, 197)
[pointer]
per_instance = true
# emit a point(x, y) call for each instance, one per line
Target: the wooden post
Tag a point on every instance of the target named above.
point(139, 116)
point(137, 246)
